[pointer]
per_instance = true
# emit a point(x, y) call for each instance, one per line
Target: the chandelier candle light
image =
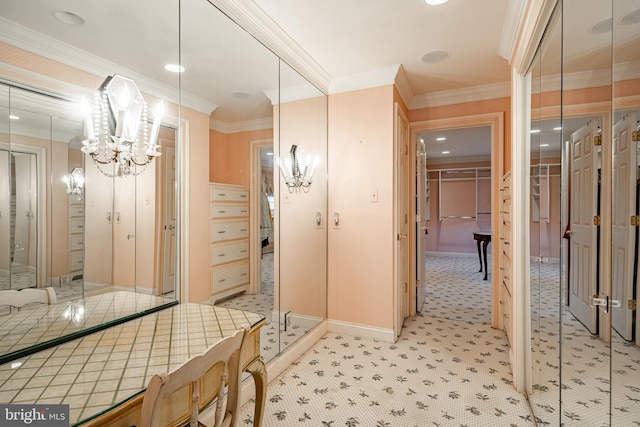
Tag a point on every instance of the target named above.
point(298, 169)
point(113, 129)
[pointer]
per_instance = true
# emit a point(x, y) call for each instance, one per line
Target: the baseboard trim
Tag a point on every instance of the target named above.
point(364, 331)
point(456, 254)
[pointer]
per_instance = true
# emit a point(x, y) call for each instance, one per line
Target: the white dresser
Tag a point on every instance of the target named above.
point(228, 239)
point(76, 238)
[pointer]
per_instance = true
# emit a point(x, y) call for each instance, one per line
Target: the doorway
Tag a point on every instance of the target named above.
point(467, 167)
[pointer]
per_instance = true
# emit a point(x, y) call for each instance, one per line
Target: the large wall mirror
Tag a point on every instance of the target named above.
point(584, 240)
point(120, 233)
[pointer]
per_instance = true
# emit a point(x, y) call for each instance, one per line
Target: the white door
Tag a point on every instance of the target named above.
point(623, 235)
point(402, 217)
point(421, 215)
point(583, 242)
point(169, 229)
point(24, 254)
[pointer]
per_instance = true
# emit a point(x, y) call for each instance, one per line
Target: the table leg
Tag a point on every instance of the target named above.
point(479, 255)
point(258, 371)
point(484, 254)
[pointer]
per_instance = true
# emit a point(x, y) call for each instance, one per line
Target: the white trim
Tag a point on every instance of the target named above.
point(183, 149)
point(510, 28)
point(364, 331)
point(403, 86)
point(520, 265)
point(254, 20)
point(245, 126)
point(380, 77)
point(459, 96)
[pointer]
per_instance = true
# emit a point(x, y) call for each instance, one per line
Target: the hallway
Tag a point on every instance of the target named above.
point(448, 368)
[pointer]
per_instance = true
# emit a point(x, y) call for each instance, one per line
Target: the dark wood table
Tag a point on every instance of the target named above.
point(484, 238)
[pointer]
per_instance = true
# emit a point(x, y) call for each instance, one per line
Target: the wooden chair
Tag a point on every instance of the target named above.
point(19, 299)
point(227, 351)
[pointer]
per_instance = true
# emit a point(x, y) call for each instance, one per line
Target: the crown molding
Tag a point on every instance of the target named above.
point(256, 22)
point(403, 86)
point(48, 47)
point(510, 28)
point(244, 126)
point(459, 96)
point(369, 79)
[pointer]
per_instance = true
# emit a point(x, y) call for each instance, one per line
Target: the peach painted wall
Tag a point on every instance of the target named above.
point(455, 235)
point(361, 250)
point(469, 109)
point(546, 235)
point(229, 155)
point(301, 246)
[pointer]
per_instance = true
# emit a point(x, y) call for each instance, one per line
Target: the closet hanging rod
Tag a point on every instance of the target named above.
point(479, 168)
point(456, 217)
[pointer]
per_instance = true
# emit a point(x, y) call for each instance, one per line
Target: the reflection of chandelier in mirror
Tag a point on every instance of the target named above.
point(113, 129)
point(75, 182)
point(298, 169)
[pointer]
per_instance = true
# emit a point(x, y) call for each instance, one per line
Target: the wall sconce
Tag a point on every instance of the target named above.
point(298, 169)
point(75, 183)
point(113, 129)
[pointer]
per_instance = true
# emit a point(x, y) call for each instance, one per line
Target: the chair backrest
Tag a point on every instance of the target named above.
point(18, 299)
point(227, 351)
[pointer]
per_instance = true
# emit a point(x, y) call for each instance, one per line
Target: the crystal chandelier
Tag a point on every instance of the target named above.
point(115, 141)
point(298, 169)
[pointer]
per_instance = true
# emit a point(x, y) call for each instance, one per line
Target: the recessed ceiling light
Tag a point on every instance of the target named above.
point(435, 56)
point(544, 145)
point(602, 27)
point(12, 117)
point(535, 131)
point(441, 138)
point(446, 152)
point(631, 18)
point(557, 128)
point(270, 153)
point(240, 94)
point(435, 2)
point(68, 17)
point(174, 68)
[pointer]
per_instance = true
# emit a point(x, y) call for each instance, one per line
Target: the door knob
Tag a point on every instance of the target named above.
point(401, 236)
point(169, 227)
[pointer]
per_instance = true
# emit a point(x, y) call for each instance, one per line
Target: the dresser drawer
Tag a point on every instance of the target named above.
point(505, 313)
point(76, 226)
point(229, 276)
point(229, 230)
point(229, 210)
point(228, 194)
point(77, 261)
point(77, 242)
point(222, 253)
point(76, 211)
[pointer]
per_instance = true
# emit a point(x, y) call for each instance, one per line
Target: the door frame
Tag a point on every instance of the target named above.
point(403, 260)
point(255, 186)
point(496, 122)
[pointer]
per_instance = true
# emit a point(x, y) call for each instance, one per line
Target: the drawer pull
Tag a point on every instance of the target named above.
point(243, 274)
point(243, 211)
point(222, 255)
point(222, 211)
point(222, 194)
point(243, 229)
point(501, 302)
point(243, 196)
point(222, 280)
point(506, 277)
point(221, 232)
point(244, 251)
point(506, 316)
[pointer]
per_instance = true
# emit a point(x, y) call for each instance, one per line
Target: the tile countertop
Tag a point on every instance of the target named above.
point(39, 327)
point(101, 370)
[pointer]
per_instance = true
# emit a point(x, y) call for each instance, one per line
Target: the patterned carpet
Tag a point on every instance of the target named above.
point(448, 368)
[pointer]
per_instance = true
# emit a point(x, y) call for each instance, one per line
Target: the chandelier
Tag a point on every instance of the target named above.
point(115, 140)
point(298, 169)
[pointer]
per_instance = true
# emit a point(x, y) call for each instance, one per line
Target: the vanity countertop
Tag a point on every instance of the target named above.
point(100, 371)
point(38, 327)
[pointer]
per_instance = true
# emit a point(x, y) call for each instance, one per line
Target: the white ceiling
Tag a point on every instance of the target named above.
point(345, 42)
